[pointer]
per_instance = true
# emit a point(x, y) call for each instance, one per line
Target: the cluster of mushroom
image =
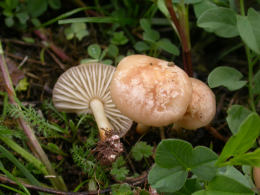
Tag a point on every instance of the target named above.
point(144, 89)
point(156, 93)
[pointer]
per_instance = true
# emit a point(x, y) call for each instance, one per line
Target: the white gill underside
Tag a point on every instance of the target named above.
point(80, 84)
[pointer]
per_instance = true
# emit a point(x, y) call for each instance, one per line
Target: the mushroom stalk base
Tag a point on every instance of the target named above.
point(104, 126)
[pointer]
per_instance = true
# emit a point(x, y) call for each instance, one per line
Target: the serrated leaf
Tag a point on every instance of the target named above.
point(226, 76)
point(241, 142)
point(119, 38)
point(141, 150)
point(249, 29)
point(167, 180)
point(168, 46)
point(222, 21)
point(236, 115)
point(94, 51)
point(119, 173)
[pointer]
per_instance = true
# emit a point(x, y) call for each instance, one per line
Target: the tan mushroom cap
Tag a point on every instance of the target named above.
point(256, 174)
point(201, 109)
point(79, 85)
point(150, 91)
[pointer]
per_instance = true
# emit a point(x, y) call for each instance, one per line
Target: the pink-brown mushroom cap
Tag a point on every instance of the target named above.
point(150, 91)
point(202, 107)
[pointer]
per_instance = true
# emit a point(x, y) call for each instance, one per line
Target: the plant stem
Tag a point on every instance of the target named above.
point(186, 53)
point(250, 65)
point(104, 126)
point(32, 140)
point(26, 155)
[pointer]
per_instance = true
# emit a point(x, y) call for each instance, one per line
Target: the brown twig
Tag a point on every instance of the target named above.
point(216, 134)
point(49, 190)
point(21, 58)
point(186, 54)
point(58, 51)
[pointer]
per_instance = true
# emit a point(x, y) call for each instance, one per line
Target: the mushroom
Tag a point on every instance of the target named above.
point(256, 174)
point(201, 109)
point(85, 89)
point(150, 91)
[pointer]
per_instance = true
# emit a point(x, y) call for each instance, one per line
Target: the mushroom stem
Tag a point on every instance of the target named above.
point(104, 126)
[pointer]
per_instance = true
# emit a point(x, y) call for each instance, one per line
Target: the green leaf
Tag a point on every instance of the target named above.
point(168, 46)
point(119, 173)
point(119, 38)
point(256, 83)
point(22, 17)
point(54, 4)
point(151, 35)
point(112, 51)
point(94, 51)
point(167, 180)
point(69, 33)
point(36, 7)
point(236, 115)
point(223, 184)
point(220, 20)
point(145, 24)
point(12, 4)
point(227, 77)
point(233, 173)
point(203, 163)
point(141, 150)
point(250, 158)
point(9, 21)
point(249, 29)
point(241, 142)
point(141, 46)
point(203, 6)
point(81, 34)
point(121, 189)
point(171, 153)
point(190, 186)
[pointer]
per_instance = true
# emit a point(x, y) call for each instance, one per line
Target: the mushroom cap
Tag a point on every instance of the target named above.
point(77, 86)
point(201, 109)
point(150, 91)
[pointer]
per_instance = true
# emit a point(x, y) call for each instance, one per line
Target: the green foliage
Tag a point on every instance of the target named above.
point(121, 189)
point(174, 158)
point(236, 115)
point(119, 171)
point(18, 13)
point(234, 151)
point(141, 150)
point(227, 77)
point(119, 38)
point(248, 28)
point(152, 42)
point(77, 30)
point(97, 55)
point(31, 116)
point(219, 20)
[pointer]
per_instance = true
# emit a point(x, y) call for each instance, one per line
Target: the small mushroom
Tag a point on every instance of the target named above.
point(85, 89)
point(201, 109)
point(150, 91)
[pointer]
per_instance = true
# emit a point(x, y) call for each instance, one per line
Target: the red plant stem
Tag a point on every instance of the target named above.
point(186, 54)
point(32, 140)
point(58, 51)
